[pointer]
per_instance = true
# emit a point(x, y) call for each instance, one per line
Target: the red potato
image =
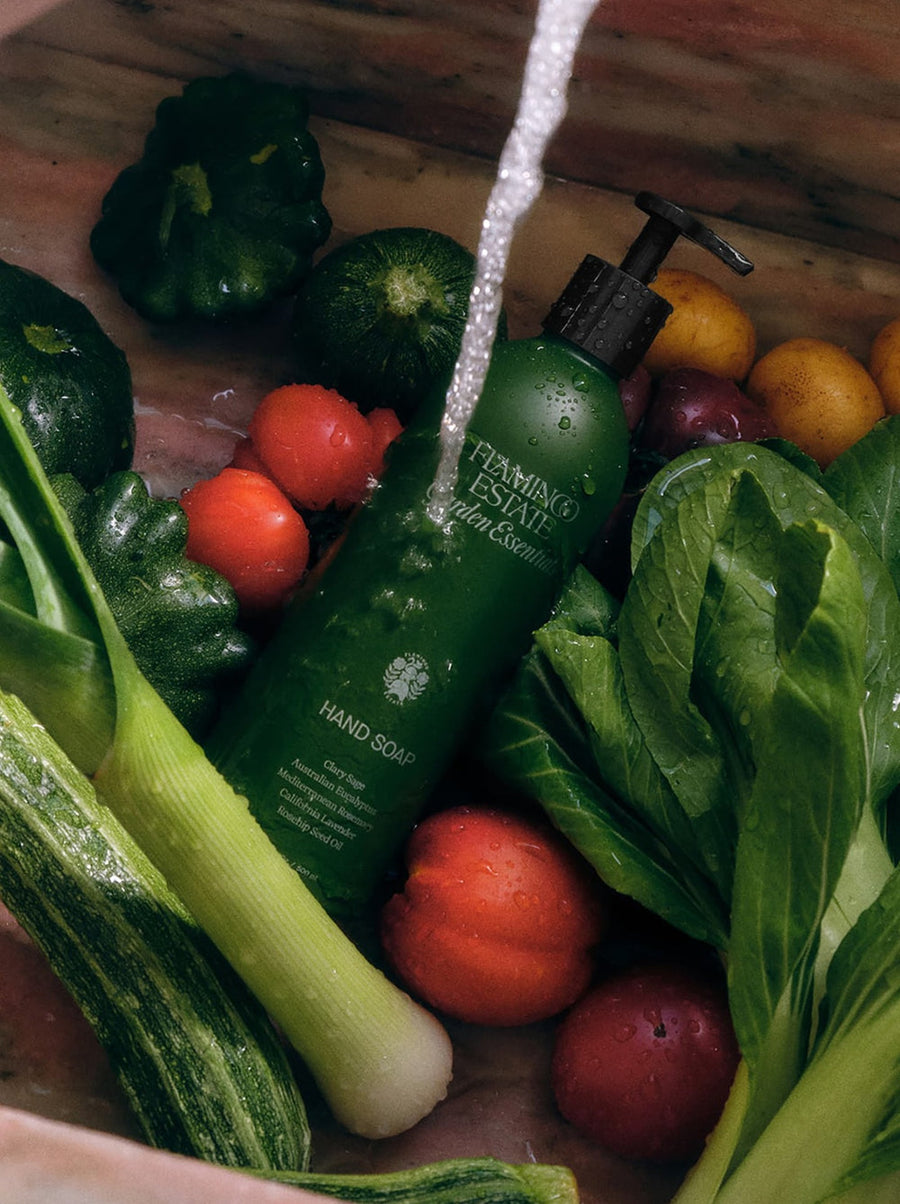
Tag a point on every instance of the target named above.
point(498, 918)
point(241, 524)
point(692, 408)
point(635, 393)
point(315, 444)
point(643, 1063)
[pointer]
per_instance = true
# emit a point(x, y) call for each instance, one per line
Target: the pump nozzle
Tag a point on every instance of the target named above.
point(609, 312)
point(666, 222)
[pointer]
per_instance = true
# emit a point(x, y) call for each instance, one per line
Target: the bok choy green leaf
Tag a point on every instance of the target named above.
point(732, 732)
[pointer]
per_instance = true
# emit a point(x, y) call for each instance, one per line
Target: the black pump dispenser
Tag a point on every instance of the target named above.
point(609, 312)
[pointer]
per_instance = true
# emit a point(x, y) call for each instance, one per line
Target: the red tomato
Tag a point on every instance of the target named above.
point(644, 1062)
point(385, 427)
point(244, 456)
point(316, 444)
point(498, 918)
point(241, 524)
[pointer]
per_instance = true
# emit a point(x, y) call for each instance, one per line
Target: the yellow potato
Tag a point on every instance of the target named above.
point(884, 364)
point(817, 394)
point(707, 329)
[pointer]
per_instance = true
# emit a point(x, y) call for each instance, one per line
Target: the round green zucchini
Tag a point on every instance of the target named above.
point(381, 317)
point(70, 382)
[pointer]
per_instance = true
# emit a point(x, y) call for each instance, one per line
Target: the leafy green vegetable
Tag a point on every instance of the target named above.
point(222, 213)
point(735, 724)
point(795, 496)
point(541, 730)
point(865, 482)
point(380, 1060)
point(178, 618)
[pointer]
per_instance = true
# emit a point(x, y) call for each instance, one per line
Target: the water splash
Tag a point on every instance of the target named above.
point(559, 27)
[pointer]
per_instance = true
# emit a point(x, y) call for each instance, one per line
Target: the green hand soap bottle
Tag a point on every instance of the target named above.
point(360, 701)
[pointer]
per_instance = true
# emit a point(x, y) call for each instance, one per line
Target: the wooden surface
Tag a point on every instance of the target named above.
point(777, 115)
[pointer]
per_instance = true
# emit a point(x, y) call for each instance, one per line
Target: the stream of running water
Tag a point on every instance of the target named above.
point(559, 26)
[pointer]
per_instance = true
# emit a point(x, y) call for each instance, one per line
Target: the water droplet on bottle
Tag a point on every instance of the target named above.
point(565, 423)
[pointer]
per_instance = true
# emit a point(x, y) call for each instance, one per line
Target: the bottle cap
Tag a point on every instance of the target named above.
point(609, 312)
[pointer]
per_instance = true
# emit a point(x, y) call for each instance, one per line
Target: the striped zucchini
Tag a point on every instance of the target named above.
point(196, 1056)
point(454, 1181)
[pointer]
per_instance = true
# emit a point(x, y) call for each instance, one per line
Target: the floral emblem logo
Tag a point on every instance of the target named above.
point(405, 678)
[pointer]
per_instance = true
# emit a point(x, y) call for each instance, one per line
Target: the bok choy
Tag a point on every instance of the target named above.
point(725, 747)
point(380, 1060)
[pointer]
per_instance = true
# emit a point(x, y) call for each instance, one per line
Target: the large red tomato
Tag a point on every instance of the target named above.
point(498, 919)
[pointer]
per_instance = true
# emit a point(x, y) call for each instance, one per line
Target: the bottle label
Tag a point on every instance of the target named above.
point(520, 512)
point(323, 793)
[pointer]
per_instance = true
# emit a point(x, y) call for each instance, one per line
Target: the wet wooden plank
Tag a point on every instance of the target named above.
point(773, 115)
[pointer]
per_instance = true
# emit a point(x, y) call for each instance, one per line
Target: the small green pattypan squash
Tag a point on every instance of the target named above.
point(222, 213)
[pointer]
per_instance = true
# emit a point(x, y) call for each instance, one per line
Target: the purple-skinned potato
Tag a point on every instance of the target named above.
point(692, 408)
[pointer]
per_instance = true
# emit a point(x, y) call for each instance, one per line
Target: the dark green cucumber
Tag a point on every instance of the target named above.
point(454, 1181)
point(196, 1056)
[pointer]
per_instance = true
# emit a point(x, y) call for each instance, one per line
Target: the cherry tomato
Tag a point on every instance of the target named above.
point(498, 918)
point(316, 445)
point(644, 1062)
point(244, 456)
point(385, 427)
point(241, 524)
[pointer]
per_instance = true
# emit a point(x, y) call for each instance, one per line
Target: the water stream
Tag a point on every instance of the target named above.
point(559, 26)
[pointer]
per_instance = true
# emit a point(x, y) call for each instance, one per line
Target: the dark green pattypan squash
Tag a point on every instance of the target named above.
point(224, 210)
point(179, 618)
point(70, 382)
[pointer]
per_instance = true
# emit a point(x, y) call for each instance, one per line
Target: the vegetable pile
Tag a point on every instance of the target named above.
point(159, 902)
point(710, 727)
point(200, 835)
